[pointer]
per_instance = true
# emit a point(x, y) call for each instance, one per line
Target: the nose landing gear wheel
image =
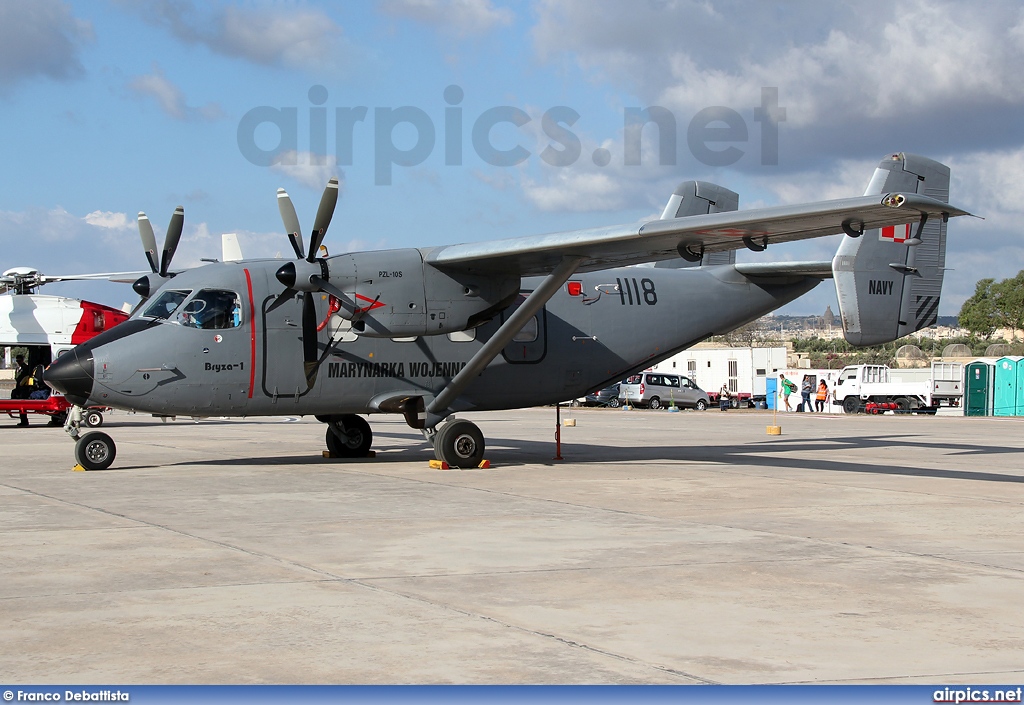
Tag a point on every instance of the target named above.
point(349, 436)
point(95, 451)
point(460, 444)
point(92, 419)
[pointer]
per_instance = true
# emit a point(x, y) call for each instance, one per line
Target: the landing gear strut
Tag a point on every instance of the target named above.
point(460, 444)
point(349, 436)
point(94, 450)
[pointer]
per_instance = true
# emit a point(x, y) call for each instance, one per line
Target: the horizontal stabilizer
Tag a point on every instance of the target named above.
point(786, 269)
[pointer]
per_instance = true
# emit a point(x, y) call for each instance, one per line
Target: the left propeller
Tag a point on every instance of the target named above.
point(144, 286)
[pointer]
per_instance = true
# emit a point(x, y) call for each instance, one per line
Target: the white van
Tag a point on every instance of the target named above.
point(657, 389)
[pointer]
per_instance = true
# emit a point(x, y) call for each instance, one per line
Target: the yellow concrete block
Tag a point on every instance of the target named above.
point(774, 430)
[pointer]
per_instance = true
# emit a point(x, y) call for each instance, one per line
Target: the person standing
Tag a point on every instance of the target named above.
point(724, 398)
point(22, 387)
point(822, 396)
point(805, 393)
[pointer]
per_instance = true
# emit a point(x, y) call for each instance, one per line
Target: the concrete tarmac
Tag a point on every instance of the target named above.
point(665, 548)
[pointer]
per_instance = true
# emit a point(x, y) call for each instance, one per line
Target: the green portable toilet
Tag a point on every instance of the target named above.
point(978, 385)
point(1004, 396)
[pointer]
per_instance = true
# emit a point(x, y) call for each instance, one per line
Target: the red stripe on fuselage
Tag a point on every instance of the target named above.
point(252, 334)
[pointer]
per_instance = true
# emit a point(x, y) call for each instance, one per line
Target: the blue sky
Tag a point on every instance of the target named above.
point(114, 107)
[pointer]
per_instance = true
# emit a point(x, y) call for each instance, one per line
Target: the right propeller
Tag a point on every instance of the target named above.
point(309, 273)
point(144, 286)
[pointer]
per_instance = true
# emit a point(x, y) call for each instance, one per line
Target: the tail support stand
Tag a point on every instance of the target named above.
point(558, 432)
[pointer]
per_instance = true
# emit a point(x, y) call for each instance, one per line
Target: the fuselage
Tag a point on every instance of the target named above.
point(245, 357)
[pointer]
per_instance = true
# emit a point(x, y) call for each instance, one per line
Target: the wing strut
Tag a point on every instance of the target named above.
point(502, 337)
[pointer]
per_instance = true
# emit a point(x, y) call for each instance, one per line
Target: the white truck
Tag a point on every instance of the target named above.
point(910, 391)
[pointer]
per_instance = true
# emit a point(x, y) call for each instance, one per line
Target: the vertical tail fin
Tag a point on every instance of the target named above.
point(699, 198)
point(888, 281)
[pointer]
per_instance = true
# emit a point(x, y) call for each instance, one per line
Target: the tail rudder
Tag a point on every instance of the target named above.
point(888, 281)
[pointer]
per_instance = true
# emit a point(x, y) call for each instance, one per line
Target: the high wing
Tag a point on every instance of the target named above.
point(616, 246)
point(119, 277)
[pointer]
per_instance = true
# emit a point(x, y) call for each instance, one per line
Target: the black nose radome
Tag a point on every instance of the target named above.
point(142, 287)
point(71, 374)
point(286, 274)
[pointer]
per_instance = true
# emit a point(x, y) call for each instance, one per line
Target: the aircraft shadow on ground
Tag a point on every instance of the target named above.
point(512, 453)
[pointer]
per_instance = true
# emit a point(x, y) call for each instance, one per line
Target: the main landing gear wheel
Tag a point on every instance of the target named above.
point(92, 418)
point(460, 444)
point(95, 451)
point(349, 436)
point(851, 405)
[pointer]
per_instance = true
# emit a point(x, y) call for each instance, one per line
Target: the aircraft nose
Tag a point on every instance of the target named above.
point(71, 374)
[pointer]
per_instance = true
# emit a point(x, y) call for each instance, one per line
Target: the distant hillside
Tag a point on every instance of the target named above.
point(810, 321)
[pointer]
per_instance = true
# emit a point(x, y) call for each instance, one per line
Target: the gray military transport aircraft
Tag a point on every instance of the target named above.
point(431, 332)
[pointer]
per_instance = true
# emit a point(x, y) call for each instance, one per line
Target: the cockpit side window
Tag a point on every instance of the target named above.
point(212, 309)
point(166, 304)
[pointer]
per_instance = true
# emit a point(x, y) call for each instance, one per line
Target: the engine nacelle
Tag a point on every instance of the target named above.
point(397, 295)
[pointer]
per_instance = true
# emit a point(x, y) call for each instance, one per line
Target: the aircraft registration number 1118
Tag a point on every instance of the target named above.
point(631, 293)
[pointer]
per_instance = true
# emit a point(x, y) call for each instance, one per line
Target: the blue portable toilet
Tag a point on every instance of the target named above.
point(771, 391)
point(1004, 391)
point(1020, 389)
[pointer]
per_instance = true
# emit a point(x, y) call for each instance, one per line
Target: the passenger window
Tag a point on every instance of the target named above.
point(672, 381)
point(213, 309)
point(341, 330)
point(166, 304)
point(529, 332)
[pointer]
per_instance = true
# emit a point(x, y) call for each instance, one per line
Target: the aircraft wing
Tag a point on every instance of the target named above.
point(120, 277)
point(621, 245)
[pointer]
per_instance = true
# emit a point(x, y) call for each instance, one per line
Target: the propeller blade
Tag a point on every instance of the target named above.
point(148, 242)
point(348, 306)
point(309, 338)
point(291, 221)
point(171, 241)
point(323, 218)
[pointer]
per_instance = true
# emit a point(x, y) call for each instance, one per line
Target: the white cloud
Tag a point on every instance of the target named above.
point(170, 98)
point(310, 170)
point(110, 220)
point(287, 36)
point(40, 38)
point(460, 17)
point(917, 70)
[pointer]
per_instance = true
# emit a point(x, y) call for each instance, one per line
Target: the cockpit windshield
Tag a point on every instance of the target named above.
point(166, 304)
point(213, 309)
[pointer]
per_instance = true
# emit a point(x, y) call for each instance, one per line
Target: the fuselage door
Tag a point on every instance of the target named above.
point(283, 372)
point(530, 343)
